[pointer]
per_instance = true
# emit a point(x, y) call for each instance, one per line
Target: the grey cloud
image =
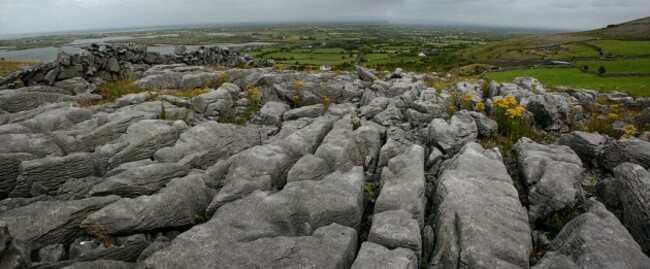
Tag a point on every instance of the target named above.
point(53, 15)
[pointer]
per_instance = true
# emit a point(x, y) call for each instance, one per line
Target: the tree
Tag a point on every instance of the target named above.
point(585, 68)
point(602, 70)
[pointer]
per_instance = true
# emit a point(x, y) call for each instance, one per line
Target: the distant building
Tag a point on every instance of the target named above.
point(422, 55)
point(560, 63)
point(325, 68)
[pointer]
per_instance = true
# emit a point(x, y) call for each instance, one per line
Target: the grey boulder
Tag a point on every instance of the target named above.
point(595, 239)
point(182, 202)
point(451, 136)
point(551, 175)
point(375, 256)
point(49, 222)
point(144, 180)
point(587, 145)
point(635, 199)
point(476, 204)
point(631, 150)
point(203, 145)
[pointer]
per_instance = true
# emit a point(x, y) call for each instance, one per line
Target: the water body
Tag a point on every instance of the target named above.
point(220, 34)
point(48, 54)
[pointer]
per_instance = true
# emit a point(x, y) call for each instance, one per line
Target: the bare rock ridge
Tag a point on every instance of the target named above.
point(266, 168)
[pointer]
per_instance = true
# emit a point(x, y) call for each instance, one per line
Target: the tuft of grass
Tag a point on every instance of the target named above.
point(7, 66)
point(112, 91)
point(189, 93)
point(163, 112)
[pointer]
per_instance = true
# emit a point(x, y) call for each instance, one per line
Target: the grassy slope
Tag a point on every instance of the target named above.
point(571, 77)
point(623, 48)
point(632, 65)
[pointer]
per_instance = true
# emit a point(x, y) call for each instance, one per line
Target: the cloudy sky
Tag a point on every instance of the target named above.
point(28, 16)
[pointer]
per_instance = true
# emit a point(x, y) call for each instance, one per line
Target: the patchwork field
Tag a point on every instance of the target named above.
point(571, 77)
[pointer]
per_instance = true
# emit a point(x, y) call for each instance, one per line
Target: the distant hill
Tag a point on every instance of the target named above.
point(633, 30)
point(561, 46)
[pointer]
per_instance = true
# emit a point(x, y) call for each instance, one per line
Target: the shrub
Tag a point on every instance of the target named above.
point(602, 70)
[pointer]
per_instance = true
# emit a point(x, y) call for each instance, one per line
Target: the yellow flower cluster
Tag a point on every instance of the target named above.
point(516, 112)
point(613, 116)
point(629, 129)
point(253, 93)
point(505, 102)
point(467, 97)
point(480, 106)
point(298, 85)
point(326, 100)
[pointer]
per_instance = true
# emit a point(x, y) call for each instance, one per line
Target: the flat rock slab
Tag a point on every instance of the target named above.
point(203, 145)
point(550, 173)
point(179, 204)
point(144, 180)
point(48, 174)
point(403, 185)
point(375, 256)
point(635, 197)
point(595, 239)
point(396, 229)
point(49, 222)
point(141, 141)
point(308, 224)
point(479, 221)
point(265, 167)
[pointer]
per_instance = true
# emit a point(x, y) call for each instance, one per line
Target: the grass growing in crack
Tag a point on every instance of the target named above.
point(112, 91)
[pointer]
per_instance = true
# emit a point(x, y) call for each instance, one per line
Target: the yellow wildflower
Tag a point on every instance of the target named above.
point(480, 106)
point(629, 129)
point(516, 112)
point(613, 116)
point(298, 84)
point(505, 102)
point(467, 97)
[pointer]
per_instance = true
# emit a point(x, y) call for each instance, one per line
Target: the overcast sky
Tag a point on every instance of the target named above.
point(28, 16)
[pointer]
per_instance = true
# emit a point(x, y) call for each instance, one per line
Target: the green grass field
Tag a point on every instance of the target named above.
point(623, 48)
point(571, 77)
point(633, 65)
point(575, 50)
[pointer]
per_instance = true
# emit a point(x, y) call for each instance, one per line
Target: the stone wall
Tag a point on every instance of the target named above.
point(110, 62)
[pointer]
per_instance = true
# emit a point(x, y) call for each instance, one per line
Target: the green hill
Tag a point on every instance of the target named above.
point(629, 36)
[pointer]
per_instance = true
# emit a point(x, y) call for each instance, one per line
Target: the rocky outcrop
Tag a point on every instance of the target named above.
point(181, 203)
point(142, 180)
point(204, 144)
point(474, 195)
point(451, 136)
point(318, 166)
point(265, 167)
point(375, 256)
point(550, 174)
point(595, 239)
point(288, 228)
point(635, 199)
point(587, 145)
point(631, 150)
point(45, 223)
